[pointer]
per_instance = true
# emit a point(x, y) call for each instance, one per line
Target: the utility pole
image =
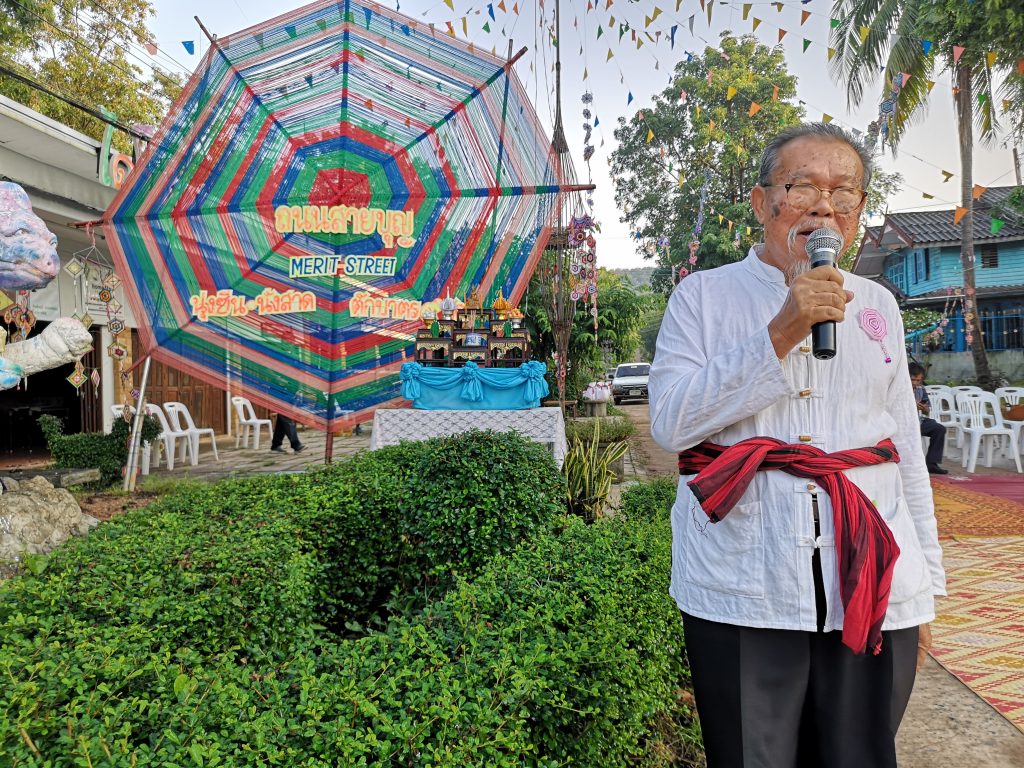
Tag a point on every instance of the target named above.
point(1016, 165)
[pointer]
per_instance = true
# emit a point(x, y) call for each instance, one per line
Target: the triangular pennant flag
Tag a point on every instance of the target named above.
point(682, 180)
point(926, 46)
point(490, 11)
point(775, 93)
point(833, 23)
point(864, 31)
point(826, 118)
point(1006, 105)
point(309, 80)
point(959, 214)
point(691, 23)
point(190, 46)
point(711, 125)
point(804, 16)
point(947, 174)
point(754, 109)
point(710, 8)
point(672, 37)
point(926, 196)
point(610, 54)
point(650, 135)
point(982, 98)
point(465, 29)
point(831, 53)
point(629, 98)
point(450, 4)
point(978, 191)
point(600, 31)
point(585, 73)
point(292, 31)
point(721, 218)
point(990, 57)
point(486, 27)
point(778, 7)
point(958, 51)
point(729, 93)
point(757, 23)
point(151, 49)
point(697, 111)
point(746, 9)
point(597, 122)
point(1020, 66)
point(782, 34)
point(931, 84)
point(996, 225)
point(451, 28)
point(807, 44)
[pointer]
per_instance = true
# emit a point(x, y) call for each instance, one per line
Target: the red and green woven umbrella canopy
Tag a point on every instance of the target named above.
point(322, 180)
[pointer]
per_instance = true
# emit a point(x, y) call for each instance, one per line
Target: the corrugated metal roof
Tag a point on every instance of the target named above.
point(927, 227)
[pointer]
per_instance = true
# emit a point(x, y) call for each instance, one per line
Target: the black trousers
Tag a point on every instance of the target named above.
point(285, 427)
point(770, 698)
point(936, 433)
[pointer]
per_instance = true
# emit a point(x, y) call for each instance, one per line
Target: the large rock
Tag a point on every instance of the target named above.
point(36, 518)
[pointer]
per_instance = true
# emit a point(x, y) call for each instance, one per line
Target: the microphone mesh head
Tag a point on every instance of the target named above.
point(823, 239)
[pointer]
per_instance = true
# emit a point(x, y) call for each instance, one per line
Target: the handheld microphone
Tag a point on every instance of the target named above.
point(823, 247)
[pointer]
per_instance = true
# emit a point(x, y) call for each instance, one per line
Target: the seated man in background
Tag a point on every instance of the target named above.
point(930, 428)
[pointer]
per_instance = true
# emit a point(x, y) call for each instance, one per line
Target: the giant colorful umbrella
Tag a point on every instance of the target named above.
point(323, 178)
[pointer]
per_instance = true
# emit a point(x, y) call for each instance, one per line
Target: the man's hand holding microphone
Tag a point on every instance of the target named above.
point(816, 300)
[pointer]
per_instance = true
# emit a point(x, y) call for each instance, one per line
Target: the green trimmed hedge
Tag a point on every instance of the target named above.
point(106, 452)
point(613, 428)
point(193, 632)
point(649, 500)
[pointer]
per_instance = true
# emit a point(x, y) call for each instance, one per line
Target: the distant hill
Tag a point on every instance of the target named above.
point(638, 276)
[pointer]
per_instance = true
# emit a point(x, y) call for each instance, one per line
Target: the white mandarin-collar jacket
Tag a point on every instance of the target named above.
point(716, 377)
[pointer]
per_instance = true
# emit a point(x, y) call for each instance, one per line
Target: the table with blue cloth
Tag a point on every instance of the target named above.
point(471, 387)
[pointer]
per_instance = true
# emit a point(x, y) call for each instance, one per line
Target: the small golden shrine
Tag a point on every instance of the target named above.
point(466, 330)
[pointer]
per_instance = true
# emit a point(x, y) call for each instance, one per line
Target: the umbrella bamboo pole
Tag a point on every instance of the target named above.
point(329, 448)
point(133, 445)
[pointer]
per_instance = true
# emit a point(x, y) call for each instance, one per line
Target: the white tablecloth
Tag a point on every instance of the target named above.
point(545, 425)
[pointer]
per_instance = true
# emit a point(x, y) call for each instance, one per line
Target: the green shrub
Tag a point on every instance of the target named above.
point(613, 428)
point(106, 452)
point(190, 633)
point(650, 499)
point(589, 471)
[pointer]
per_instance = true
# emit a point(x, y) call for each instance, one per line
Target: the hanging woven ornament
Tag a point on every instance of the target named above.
point(78, 377)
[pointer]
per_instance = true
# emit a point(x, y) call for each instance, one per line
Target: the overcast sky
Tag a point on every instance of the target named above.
point(928, 149)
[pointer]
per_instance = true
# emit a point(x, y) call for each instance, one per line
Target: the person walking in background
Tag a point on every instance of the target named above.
point(285, 427)
point(805, 549)
point(930, 428)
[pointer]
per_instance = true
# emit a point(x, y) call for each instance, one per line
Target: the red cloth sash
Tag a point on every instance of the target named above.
point(866, 551)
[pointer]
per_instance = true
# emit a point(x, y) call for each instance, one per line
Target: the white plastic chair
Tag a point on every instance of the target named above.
point(147, 449)
point(1011, 395)
point(168, 436)
point(943, 410)
point(178, 415)
point(931, 388)
point(982, 420)
point(247, 421)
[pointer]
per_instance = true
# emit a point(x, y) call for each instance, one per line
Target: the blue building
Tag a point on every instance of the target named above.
point(916, 255)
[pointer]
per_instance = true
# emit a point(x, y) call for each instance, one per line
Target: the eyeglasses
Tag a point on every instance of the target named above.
point(803, 196)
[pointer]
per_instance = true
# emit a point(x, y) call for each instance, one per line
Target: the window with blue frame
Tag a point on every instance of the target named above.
point(896, 273)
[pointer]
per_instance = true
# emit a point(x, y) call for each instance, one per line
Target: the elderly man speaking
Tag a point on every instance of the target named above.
point(805, 552)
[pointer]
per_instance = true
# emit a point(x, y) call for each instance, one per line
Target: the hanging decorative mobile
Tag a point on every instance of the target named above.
point(698, 227)
point(887, 108)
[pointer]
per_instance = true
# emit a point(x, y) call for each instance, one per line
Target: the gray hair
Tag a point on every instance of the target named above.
point(770, 158)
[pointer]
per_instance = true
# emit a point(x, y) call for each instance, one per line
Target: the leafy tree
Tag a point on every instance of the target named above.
point(82, 49)
point(700, 129)
point(621, 309)
point(918, 37)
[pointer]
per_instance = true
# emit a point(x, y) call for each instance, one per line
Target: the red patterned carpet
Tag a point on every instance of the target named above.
point(962, 511)
point(1009, 487)
point(979, 628)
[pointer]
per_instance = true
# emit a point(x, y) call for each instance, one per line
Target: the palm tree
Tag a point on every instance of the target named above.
point(916, 38)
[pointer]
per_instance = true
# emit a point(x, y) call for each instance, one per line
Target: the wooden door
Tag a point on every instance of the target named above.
point(91, 400)
point(204, 401)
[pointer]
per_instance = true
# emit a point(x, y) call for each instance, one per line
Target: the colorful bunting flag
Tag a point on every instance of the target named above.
point(807, 44)
point(804, 16)
point(757, 23)
point(978, 191)
point(782, 34)
point(996, 225)
point(958, 51)
point(746, 9)
point(730, 92)
point(754, 109)
point(831, 53)
point(826, 118)
point(990, 57)
point(190, 46)
point(947, 174)
point(959, 214)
